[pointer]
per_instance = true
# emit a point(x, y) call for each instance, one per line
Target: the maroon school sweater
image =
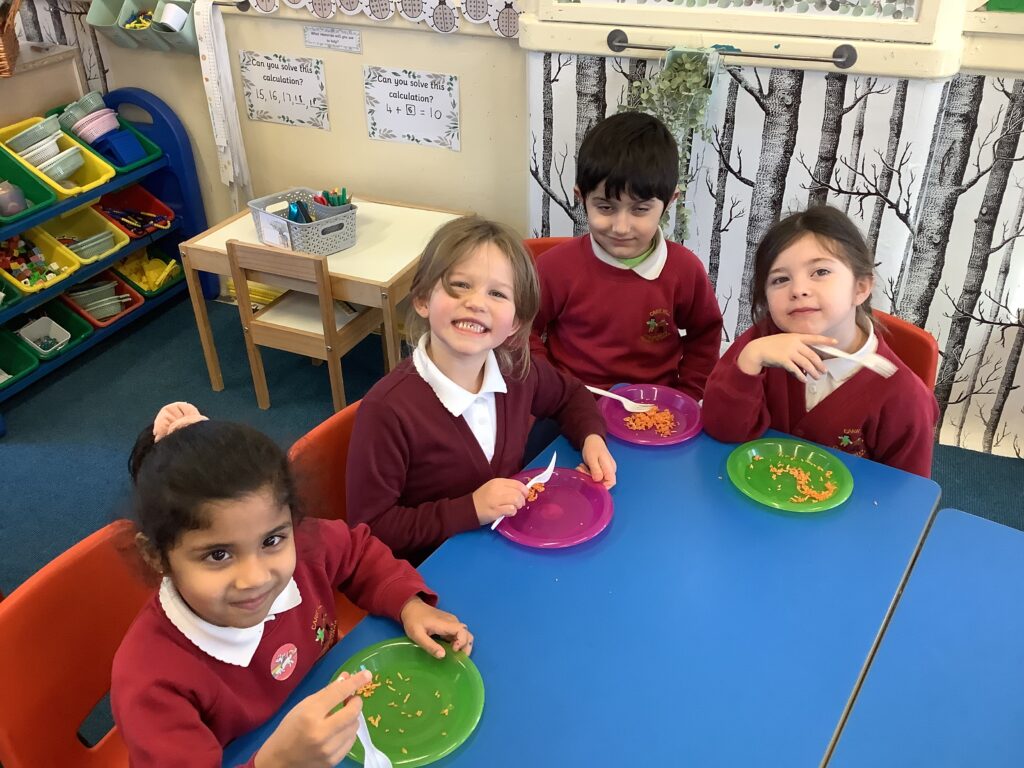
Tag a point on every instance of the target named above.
point(891, 421)
point(608, 326)
point(414, 466)
point(176, 707)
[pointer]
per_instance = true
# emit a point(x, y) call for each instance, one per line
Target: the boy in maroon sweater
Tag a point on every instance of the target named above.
point(622, 304)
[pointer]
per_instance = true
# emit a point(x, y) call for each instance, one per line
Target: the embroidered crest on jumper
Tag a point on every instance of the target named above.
point(283, 661)
point(657, 326)
point(324, 628)
point(851, 441)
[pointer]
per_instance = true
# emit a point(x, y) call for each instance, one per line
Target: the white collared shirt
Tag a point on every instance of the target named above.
point(649, 269)
point(232, 645)
point(839, 371)
point(477, 408)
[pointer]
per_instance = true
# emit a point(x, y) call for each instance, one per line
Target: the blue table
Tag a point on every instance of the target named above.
point(741, 631)
point(946, 687)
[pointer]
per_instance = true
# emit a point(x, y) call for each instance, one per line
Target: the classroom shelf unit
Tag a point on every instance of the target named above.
point(171, 178)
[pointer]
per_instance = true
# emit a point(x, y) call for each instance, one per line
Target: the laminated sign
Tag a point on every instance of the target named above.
point(412, 107)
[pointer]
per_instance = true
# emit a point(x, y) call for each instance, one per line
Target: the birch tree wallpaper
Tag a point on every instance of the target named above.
point(933, 172)
point(63, 22)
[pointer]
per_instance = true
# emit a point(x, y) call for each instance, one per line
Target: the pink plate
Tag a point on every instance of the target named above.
point(571, 509)
point(685, 408)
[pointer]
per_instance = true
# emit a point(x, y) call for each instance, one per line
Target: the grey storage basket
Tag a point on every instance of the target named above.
point(321, 237)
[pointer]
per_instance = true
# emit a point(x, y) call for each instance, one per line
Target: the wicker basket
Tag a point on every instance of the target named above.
point(8, 41)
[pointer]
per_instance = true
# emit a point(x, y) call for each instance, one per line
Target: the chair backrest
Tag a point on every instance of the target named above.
point(537, 245)
point(319, 459)
point(914, 346)
point(59, 631)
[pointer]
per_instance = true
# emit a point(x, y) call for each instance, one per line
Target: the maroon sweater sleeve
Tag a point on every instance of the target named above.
point(703, 340)
point(550, 306)
point(735, 404)
point(564, 398)
point(376, 478)
point(362, 567)
point(906, 432)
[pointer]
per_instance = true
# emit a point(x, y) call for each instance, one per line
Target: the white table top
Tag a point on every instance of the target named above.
point(389, 237)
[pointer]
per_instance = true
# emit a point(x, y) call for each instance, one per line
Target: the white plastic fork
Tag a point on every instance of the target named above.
point(543, 477)
point(374, 757)
point(872, 361)
point(629, 405)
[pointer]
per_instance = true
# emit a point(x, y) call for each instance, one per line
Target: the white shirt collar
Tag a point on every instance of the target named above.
point(840, 370)
point(231, 645)
point(649, 269)
point(454, 398)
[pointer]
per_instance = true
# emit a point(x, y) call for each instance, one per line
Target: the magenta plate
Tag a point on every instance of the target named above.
point(571, 509)
point(685, 408)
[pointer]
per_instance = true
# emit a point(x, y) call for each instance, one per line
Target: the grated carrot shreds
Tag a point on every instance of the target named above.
point(803, 484)
point(535, 491)
point(661, 421)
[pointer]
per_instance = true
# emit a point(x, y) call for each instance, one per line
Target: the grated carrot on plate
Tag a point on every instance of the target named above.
point(661, 421)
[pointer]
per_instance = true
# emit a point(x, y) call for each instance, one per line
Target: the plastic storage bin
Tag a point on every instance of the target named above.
point(45, 337)
point(92, 174)
point(148, 37)
point(143, 271)
point(152, 150)
point(52, 251)
point(84, 223)
point(77, 328)
point(135, 198)
point(16, 360)
point(36, 193)
point(103, 15)
point(321, 237)
point(9, 295)
point(96, 309)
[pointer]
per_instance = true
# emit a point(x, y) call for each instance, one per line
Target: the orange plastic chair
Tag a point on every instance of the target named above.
point(537, 245)
point(318, 461)
point(59, 631)
point(914, 346)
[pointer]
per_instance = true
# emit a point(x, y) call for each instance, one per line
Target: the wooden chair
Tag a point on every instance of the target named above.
point(914, 346)
point(304, 320)
point(318, 461)
point(537, 245)
point(59, 631)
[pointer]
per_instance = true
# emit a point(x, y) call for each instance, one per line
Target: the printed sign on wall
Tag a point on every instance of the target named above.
point(284, 89)
point(412, 107)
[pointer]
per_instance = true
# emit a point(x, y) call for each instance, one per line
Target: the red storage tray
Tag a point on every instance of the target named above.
point(122, 289)
point(135, 198)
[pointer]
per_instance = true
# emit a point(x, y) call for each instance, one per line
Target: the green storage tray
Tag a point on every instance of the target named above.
point(16, 359)
point(35, 191)
point(157, 253)
point(62, 315)
point(11, 295)
point(152, 150)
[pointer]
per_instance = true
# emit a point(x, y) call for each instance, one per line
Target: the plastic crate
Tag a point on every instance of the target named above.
point(153, 151)
point(53, 252)
point(321, 237)
point(129, 270)
point(92, 174)
point(16, 360)
point(121, 289)
point(37, 193)
point(10, 295)
point(82, 223)
point(76, 326)
point(134, 198)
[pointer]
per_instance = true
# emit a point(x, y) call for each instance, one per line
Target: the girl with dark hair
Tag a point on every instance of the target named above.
point(813, 276)
point(246, 602)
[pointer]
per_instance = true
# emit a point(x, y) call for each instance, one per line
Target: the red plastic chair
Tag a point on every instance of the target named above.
point(914, 346)
point(537, 245)
point(59, 631)
point(318, 461)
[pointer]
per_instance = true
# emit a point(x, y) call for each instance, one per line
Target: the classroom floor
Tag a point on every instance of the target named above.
point(64, 458)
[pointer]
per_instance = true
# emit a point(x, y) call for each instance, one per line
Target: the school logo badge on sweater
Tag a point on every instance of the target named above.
point(657, 326)
point(324, 629)
point(851, 441)
point(283, 662)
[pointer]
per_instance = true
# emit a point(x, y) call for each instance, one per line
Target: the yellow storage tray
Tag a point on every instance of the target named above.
point(92, 174)
point(82, 223)
point(53, 252)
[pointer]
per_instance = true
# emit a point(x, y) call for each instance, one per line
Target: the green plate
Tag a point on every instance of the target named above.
point(751, 468)
point(447, 693)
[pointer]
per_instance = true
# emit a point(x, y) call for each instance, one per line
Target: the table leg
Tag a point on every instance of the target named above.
point(195, 293)
point(392, 339)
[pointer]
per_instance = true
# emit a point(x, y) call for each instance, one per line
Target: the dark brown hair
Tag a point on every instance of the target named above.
point(834, 231)
point(451, 244)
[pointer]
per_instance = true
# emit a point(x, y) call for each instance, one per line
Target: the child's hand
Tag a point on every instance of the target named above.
point(784, 350)
point(421, 621)
point(309, 736)
point(598, 461)
point(497, 497)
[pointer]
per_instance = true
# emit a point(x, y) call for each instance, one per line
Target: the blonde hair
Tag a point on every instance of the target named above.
point(452, 243)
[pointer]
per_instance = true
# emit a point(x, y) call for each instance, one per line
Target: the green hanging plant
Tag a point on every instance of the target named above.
point(678, 96)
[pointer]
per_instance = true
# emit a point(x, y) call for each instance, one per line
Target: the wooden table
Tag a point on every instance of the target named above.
point(946, 686)
point(714, 630)
point(377, 271)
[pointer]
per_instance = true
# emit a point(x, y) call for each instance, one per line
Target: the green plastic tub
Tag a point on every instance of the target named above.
point(66, 318)
point(152, 150)
point(35, 191)
point(16, 360)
